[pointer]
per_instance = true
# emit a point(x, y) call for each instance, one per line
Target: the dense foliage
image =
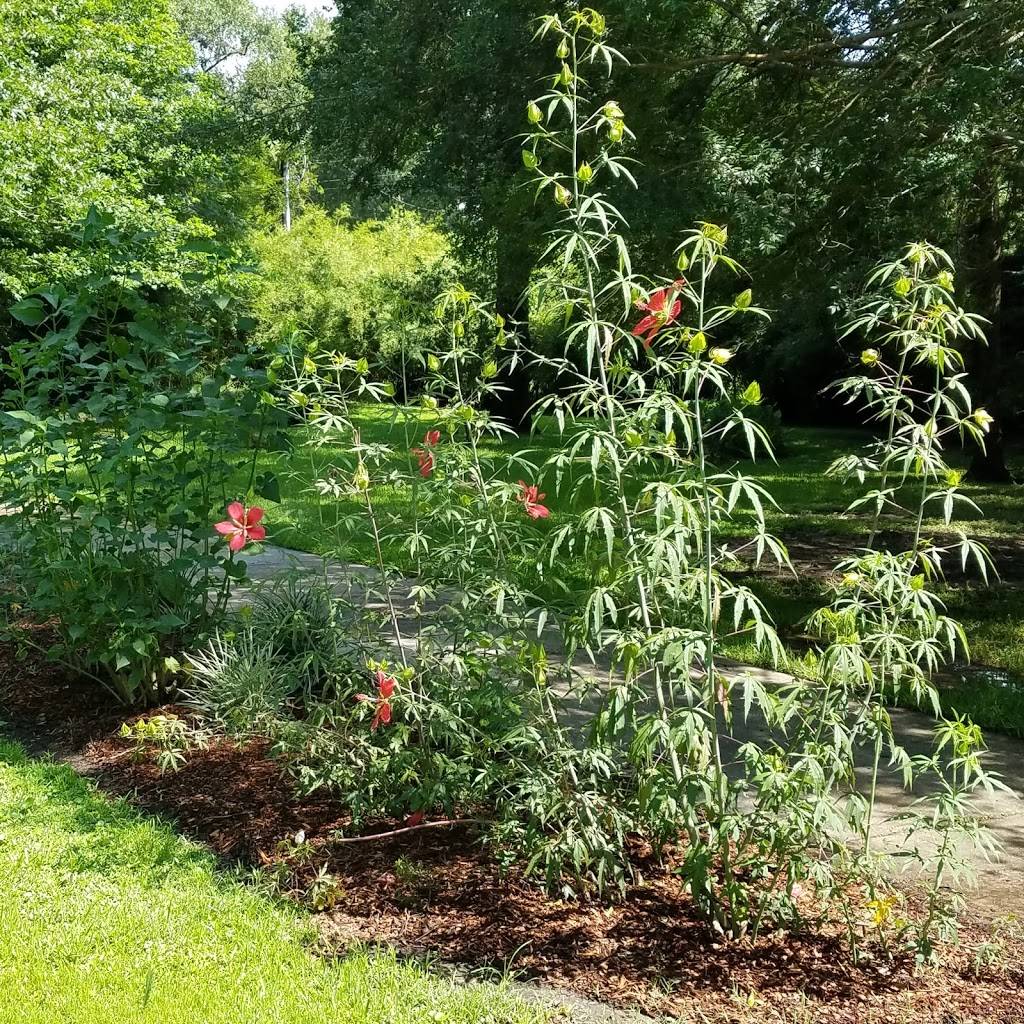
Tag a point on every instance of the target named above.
point(361, 288)
point(97, 108)
point(123, 427)
point(821, 133)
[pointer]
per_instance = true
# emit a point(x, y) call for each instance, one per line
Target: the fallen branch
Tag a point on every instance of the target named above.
point(412, 828)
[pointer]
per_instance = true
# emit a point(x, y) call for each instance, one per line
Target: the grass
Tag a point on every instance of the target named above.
point(108, 916)
point(812, 506)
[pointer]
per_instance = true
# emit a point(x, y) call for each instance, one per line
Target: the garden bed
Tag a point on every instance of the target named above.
point(434, 892)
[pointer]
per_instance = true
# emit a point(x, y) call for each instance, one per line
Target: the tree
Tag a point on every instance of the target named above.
point(97, 108)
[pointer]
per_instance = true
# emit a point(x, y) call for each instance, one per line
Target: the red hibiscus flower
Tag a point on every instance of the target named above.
point(424, 455)
point(382, 711)
point(426, 461)
point(242, 525)
point(414, 819)
point(531, 501)
point(659, 313)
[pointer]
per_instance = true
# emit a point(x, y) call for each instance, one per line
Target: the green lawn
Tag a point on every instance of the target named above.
point(811, 504)
point(108, 916)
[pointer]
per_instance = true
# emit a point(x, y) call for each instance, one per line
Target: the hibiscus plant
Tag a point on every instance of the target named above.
point(125, 426)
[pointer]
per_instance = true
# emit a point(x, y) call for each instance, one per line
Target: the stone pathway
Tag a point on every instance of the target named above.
point(1000, 882)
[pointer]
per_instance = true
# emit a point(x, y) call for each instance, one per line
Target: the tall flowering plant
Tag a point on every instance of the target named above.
point(885, 628)
point(643, 362)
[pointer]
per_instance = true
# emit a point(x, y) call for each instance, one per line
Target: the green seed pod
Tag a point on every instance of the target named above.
point(585, 173)
point(530, 160)
point(533, 113)
point(562, 195)
point(616, 131)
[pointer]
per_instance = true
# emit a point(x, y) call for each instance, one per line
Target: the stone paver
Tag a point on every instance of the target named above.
point(1000, 882)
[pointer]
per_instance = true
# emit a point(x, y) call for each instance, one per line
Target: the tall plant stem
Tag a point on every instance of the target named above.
point(602, 353)
point(380, 559)
point(722, 783)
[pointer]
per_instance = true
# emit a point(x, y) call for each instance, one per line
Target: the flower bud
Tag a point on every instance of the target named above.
point(299, 399)
point(852, 579)
point(361, 479)
point(983, 419)
point(715, 233)
point(612, 111)
point(362, 366)
point(563, 49)
point(869, 357)
point(389, 388)
point(530, 160)
point(698, 343)
point(428, 402)
point(308, 365)
point(533, 113)
point(460, 329)
point(945, 280)
point(585, 172)
point(720, 356)
point(489, 370)
point(466, 413)
point(433, 363)
point(683, 263)
point(564, 76)
point(752, 394)
point(562, 195)
point(902, 287)
point(616, 131)
point(744, 299)
point(633, 439)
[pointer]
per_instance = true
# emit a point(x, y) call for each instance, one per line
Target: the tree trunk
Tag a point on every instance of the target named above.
point(984, 251)
point(514, 258)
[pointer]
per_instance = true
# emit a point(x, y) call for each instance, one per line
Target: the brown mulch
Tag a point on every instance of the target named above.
point(437, 892)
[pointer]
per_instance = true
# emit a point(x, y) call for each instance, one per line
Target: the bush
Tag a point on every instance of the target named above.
point(124, 427)
point(358, 288)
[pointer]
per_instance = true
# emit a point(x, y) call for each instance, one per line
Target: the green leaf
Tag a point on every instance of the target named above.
point(268, 486)
point(29, 311)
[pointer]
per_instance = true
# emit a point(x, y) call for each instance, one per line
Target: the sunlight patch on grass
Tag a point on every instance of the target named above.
point(107, 916)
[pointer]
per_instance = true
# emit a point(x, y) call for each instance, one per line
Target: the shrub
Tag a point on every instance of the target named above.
point(124, 427)
point(360, 288)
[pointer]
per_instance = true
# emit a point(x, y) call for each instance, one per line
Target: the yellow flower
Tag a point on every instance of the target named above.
point(983, 419)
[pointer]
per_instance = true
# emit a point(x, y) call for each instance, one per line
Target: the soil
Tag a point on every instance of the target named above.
point(436, 892)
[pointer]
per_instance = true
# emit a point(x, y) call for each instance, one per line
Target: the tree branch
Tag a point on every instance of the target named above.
point(811, 52)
